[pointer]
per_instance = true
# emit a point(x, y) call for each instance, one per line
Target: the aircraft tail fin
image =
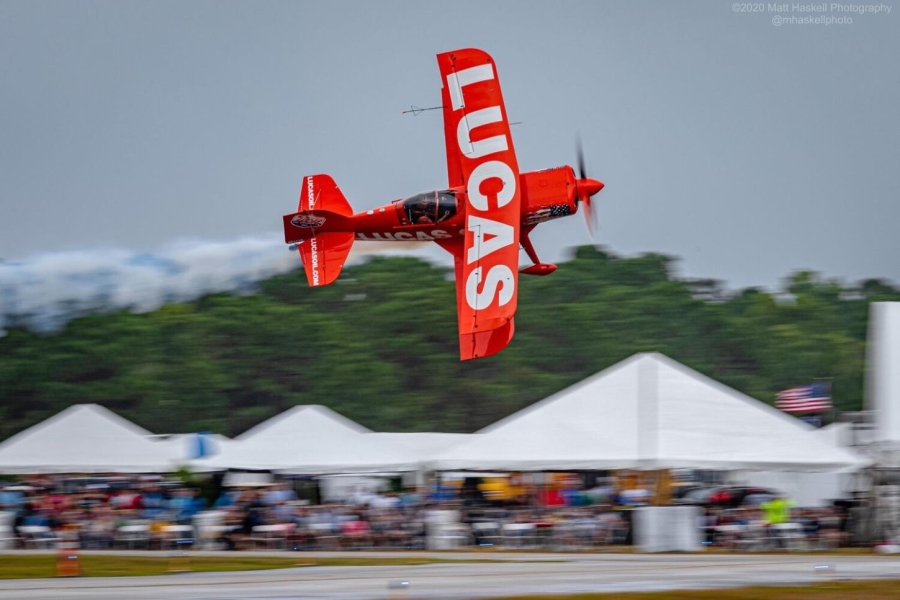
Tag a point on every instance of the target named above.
point(320, 192)
point(320, 230)
point(322, 208)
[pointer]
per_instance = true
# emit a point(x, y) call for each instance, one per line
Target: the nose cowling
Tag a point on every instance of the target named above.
point(588, 187)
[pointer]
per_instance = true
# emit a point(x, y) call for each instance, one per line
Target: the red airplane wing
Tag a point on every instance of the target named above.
point(481, 159)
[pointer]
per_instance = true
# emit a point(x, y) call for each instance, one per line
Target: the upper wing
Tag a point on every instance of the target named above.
point(481, 158)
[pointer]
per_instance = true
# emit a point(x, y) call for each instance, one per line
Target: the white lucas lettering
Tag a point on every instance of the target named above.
point(403, 236)
point(485, 171)
point(491, 185)
point(487, 236)
point(498, 275)
point(497, 143)
point(457, 81)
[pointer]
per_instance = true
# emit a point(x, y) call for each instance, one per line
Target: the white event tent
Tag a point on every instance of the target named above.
point(421, 445)
point(85, 438)
point(310, 440)
point(647, 412)
point(808, 489)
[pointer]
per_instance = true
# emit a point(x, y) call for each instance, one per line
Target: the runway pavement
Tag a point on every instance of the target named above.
point(517, 574)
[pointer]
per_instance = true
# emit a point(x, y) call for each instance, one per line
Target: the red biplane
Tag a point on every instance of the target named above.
point(487, 209)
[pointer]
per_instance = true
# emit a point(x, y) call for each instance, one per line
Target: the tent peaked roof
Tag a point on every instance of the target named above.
point(647, 411)
point(312, 417)
point(85, 438)
point(310, 440)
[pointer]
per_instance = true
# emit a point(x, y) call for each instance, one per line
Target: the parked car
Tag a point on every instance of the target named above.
point(733, 497)
point(726, 496)
point(697, 496)
point(682, 490)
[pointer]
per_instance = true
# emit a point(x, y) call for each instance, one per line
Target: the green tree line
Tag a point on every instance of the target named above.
point(380, 346)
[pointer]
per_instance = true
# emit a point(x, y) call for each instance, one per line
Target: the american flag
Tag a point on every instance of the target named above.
point(805, 398)
point(547, 213)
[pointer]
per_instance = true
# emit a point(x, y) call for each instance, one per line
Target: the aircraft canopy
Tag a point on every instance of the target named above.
point(429, 207)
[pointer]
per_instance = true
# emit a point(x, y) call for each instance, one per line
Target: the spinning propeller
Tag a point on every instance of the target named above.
point(586, 187)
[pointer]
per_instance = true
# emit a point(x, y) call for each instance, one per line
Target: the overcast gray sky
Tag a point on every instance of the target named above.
point(747, 149)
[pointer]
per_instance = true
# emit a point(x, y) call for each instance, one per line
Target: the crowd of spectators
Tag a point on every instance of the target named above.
point(99, 512)
point(760, 528)
point(151, 512)
point(252, 518)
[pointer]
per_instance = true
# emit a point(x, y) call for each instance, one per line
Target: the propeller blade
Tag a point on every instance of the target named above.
point(585, 188)
point(582, 172)
point(589, 216)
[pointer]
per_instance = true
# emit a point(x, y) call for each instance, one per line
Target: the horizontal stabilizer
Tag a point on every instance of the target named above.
point(305, 224)
point(320, 229)
point(324, 256)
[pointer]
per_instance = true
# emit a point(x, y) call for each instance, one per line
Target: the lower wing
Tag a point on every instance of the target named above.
point(485, 304)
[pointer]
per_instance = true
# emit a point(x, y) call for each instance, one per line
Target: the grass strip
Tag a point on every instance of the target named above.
point(36, 566)
point(874, 589)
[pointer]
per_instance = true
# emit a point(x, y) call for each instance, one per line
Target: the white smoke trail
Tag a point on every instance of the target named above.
point(44, 292)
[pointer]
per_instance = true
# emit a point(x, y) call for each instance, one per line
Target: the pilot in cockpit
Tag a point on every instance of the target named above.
point(430, 208)
point(423, 212)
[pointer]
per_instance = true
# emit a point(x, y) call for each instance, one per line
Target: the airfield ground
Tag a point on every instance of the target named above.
point(458, 575)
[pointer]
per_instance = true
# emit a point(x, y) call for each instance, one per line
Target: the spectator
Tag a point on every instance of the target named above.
point(777, 510)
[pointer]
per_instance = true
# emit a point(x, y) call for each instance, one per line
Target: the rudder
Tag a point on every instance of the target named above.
point(320, 192)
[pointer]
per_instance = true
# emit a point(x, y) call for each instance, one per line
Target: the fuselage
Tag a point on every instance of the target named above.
point(441, 214)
